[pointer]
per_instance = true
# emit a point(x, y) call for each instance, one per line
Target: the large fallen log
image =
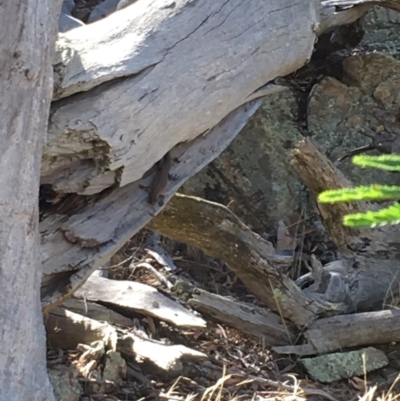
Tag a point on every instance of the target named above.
point(153, 77)
point(82, 233)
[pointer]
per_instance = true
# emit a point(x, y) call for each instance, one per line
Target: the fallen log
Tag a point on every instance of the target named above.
point(249, 319)
point(337, 333)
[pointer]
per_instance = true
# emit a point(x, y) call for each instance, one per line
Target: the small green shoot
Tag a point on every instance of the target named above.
point(388, 215)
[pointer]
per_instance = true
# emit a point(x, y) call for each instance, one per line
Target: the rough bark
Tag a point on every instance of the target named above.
point(28, 30)
point(142, 100)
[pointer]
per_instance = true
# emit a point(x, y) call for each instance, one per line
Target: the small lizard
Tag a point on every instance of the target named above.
point(160, 181)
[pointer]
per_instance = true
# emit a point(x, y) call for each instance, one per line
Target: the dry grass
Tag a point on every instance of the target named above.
point(283, 392)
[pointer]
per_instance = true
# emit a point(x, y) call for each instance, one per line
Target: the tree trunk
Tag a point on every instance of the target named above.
point(28, 34)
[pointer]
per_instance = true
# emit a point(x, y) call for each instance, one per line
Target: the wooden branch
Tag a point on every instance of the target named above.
point(166, 357)
point(337, 332)
point(248, 319)
point(219, 233)
point(319, 174)
point(331, 18)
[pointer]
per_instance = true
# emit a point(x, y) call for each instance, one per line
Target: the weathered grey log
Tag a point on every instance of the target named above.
point(139, 298)
point(113, 133)
point(95, 311)
point(176, 85)
point(66, 329)
point(335, 333)
point(338, 332)
point(346, 331)
point(249, 319)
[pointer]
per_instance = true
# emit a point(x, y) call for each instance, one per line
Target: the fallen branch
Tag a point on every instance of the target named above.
point(249, 319)
point(219, 233)
point(337, 332)
point(140, 298)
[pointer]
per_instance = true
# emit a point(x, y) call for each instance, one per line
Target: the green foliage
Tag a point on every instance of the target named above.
point(388, 215)
point(384, 162)
point(373, 192)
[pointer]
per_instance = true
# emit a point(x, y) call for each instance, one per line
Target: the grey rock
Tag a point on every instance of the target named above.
point(115, 368)
point(253, 175)
point(337, 110)
point(342, 365)
point(65, 384)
